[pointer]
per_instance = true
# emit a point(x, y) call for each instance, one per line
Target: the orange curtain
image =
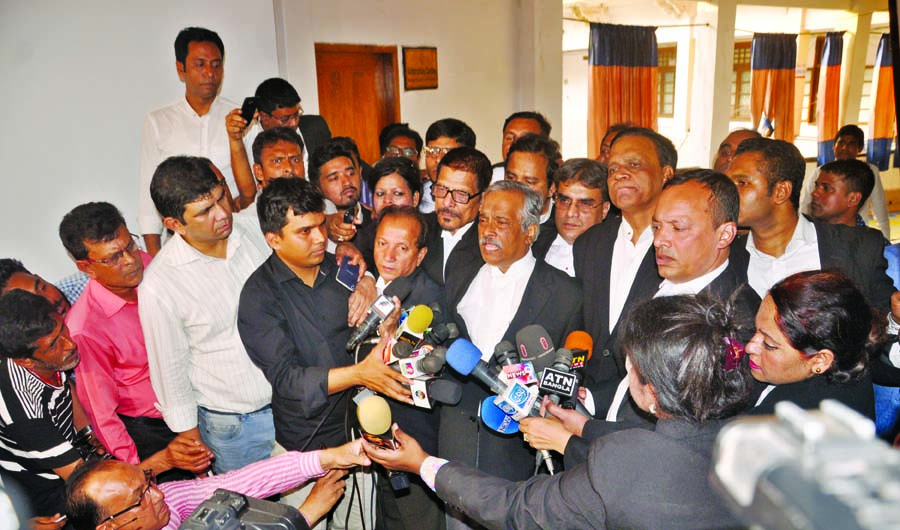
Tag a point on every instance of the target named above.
point(622, 82)
point(881, 119)
point(828, 99)
point(773, 58)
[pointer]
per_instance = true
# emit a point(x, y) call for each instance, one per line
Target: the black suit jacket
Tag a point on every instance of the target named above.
point(807, 394)
point(546, 236)
point(631, 479)
point(315, 131)
point(551, 299)
point(465, 258)
point(593, 262)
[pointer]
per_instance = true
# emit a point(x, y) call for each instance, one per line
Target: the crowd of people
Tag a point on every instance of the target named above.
point(215, 341)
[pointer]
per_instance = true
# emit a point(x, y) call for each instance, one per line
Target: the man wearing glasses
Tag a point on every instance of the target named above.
point(440, 138)
point(462, 176)
point(113, 378)
point(278, 105)
point(582, 200)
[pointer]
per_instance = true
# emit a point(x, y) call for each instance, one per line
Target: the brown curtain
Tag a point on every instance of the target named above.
point(622, 82)
point(881, 119)
point(828, 99)
point(773, 57)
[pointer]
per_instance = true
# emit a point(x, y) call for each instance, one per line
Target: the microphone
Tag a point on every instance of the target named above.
point(496, 419)
point(582, 346)
point(380, 309)
point(374, 416)
point(426, 393)
point(424, 366)
point(441, 333)
point(505, 354)
point(465, 358)
point(535, 345)
point(410, 332)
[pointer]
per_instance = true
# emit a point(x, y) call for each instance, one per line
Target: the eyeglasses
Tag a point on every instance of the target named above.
point(581, 205)
point(408, 152)
point(459, 196)
point(286, 120)
point(435, 152)
point(116, 259)
point(151, 481)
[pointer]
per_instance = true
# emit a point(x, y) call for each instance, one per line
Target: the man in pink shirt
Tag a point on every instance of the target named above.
point(113, 378)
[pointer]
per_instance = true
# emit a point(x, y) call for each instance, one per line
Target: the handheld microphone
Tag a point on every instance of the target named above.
point(424, 366)
point(380, 309)
point(374, 416)
point(427, 392)
point(441, 333)
point(496, 419)
point(505, 354)
point(410, 332)
point(582, 346)
point(535, 345)
point(465, 358)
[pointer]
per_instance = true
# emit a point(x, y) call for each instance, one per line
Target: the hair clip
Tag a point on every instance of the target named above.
point(734, 351)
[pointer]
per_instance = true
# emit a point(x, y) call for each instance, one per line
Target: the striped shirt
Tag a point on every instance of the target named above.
point(188, 306)
point(36, 429)
point(261, 479)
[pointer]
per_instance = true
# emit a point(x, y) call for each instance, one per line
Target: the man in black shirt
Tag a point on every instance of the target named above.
point(292, 319)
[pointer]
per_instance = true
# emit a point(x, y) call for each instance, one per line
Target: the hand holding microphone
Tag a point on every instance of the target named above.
point(406, 456)
point(372, 373)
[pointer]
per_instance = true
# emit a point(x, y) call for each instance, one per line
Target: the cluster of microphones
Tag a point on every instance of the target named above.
point(519, 377)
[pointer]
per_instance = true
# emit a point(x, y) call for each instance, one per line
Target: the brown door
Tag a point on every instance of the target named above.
point(358, 92)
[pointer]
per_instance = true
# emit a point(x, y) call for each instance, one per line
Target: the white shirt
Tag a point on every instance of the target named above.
point(177, 130)
point(668, 288)
point(560, 255)
point(498, 173)
point(626, 260)
point(188, 305)
point(801, 254)
point(875, 206)
point(450, 241)
point(426, 201)
point(491, 302)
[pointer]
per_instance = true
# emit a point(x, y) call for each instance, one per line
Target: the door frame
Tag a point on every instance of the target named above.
point(394, 80)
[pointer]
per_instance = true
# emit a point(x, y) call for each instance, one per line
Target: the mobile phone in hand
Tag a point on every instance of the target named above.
point(350, 216)
point(348, 274)
point(248, 109)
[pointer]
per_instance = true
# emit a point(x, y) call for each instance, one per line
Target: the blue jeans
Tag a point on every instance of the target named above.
point(237, 439)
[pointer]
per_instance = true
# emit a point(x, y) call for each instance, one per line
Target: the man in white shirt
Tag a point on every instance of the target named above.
point(193, 125)
point(462, 176)
point(768, 175)
point(848, 142)
point(510, 291)
point(582, 200)
point(206, 384)
point(517, 125)
point(842, 187)
point(614, 260)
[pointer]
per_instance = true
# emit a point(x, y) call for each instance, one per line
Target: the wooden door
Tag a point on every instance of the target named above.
point(358, 92)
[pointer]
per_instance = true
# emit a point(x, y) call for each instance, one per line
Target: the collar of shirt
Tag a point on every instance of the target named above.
point(453, 239)
point(381, 285)
point(183, 253)
point(804, 234)
point(626, 233)
point(560, 255)
point(667, 288)
point(517, 271)
point(546, 216)
point(104, 299)
point(282, 273)
point(189, 110)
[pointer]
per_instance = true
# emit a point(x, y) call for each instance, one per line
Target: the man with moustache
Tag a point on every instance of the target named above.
point(492, 303)
point(293, 320)
point(582, 200)
point(461, 179)
point(193, 125)
point(400, 239)
point(277, 153)
point(441, 136)
point(188, 300)
point(533, 161)
point(113, 375)
point(614, 260)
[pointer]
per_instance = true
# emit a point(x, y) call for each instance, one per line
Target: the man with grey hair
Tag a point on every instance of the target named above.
point(491, 304)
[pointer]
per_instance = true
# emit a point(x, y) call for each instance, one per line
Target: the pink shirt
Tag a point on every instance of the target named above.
point(112, 377)
point(261, 479)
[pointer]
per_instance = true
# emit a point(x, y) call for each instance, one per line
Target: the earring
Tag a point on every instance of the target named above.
point(653, 408)
point(817, 370)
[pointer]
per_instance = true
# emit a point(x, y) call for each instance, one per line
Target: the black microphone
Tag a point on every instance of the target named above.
point(380, 309)
point(424, 366)
point(444, 391)
point(441, 333)
point(505, 354)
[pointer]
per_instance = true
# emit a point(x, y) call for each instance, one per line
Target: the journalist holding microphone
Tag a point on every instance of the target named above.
point(683, 369)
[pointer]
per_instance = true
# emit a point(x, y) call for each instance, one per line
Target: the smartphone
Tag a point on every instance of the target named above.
point(350, 216)
point(248, 109)
point(348, 274)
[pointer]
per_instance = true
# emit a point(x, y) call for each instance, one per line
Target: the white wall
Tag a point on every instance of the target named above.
point(495, 57)
point(77, 80)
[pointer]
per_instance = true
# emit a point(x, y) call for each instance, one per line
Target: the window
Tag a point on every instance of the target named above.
point(665, 76)
point(865, 104)
point(740, 82)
